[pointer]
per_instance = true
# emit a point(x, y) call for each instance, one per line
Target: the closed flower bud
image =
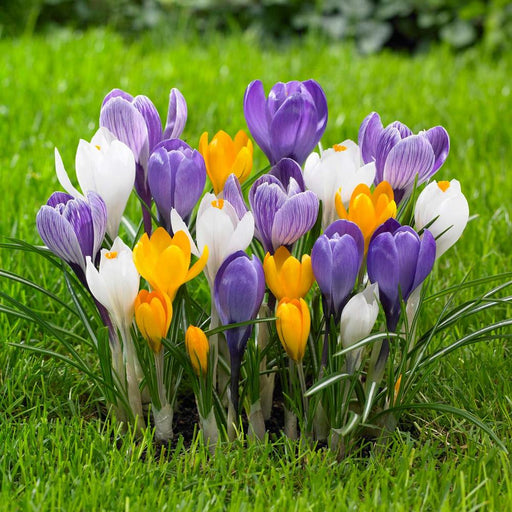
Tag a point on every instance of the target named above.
point(293, 324)
point(197, 349)
point(153, 314)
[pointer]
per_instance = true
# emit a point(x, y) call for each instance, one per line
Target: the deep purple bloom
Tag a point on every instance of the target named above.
point(176, 178)
point(285, 170)
point(232, 193)
point(281, 215)
point(73, 228)
point(336, 258)
point(290, 122)
point(238, 292)
point(399, 155)
point(399, 261)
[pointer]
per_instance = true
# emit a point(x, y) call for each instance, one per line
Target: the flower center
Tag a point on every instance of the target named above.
point(443, 185)
point(112, 255)
point(339, 147)
point(98, 147)
point(219, 203)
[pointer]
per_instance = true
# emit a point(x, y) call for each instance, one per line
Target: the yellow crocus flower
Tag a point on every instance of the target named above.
point(197, 349)
point(368, 210)
point(286, 276)
point(153, 314)
point(164, 261)
point(224, 156)
point(293, 324)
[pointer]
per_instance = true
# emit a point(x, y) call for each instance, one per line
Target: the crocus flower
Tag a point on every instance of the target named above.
point(368, 209)
point(224, 156)
point(73, 228)
point(176, 115)
point(105, 166)
point(219, 229)
point(443, 208)
point(153, 315)
point(281, 215)
point(287, 169)
point(399, 155)
point(116, 284)
point(232, 193)
point(238, 292)
point(293, 325)
point(176, 178)
point(336, 258)
point(336, 167)
point(198, 348)
point(286, 276)
point(399, 261)
point(164, 261)
point(357, 320)
point(290, 122)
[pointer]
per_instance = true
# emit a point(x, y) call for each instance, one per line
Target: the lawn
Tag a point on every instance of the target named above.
point(58, 451)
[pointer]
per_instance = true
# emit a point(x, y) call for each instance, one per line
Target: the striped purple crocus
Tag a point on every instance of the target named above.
point(238, 292)
point(176, 178)
point(399, 261)
point(336, 258)
point(281, 215)
point(290, 122)
point(399, 155)
point(73, 228)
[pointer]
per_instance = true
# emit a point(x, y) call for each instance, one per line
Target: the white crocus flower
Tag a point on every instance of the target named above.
point(219, 228)
point(443, 210)
point(339, 166)
point(116, 284)
point(357, 321)
point(106, 166)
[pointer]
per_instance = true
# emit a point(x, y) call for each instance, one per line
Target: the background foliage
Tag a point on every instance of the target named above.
point(373, 24)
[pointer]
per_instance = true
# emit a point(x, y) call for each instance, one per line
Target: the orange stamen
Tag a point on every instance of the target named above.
point(339, 147)
point(112, 255)
point(443, 185)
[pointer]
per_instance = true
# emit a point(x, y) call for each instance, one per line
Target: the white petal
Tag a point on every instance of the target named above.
point(242, 236)
point(97, 285)
point(63, 177)
point(177, 224)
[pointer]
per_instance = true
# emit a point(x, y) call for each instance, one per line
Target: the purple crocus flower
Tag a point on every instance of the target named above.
point(281, 215)
point(238, 292)
point(399, 155)
point(285, 170)
point(232, 193)
point(73, 228)
point(399, 261)
point(176, 178)
point(336, 258)
point(290, 122)
point(136, 122)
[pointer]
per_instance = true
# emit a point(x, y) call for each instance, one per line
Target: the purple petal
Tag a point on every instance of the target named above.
point(161, 183)
point(407, 245)
point(58, 198)
point(345, 227)
point(390, 226)
point(255, 112)
point(176, 115)
point(346, 258)
point(440, 141)
point(388, 139)
point(369, 133)
point(78, 214)
point(426, 258)
point(286, 169)
point(232, 193)
point(117, 93)
point(173, 145)
point(322, 263)
point(403, 129)
point(58, 235)
point(99, 220)
point(190, 181)
point(295, 218)
point(410, 157)
point(320, 101)
point(277, 96)
point(152, 119)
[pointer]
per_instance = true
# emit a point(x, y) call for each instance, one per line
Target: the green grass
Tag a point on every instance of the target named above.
point(57, 454)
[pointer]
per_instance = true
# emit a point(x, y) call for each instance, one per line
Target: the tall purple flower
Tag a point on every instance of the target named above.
point(238, 292)
point(399, 155)
point(336, 258)
point(281, 215)
point(136, 122)
point(290, 122)
point(399, 261)
point(73, 228)
point(176, 178)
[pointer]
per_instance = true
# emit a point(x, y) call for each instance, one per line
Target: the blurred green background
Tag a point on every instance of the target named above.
point(411, 25)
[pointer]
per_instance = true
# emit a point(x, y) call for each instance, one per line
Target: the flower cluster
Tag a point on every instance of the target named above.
point(297, 262)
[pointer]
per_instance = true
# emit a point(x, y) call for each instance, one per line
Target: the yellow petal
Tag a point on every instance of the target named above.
point(242, 166)
point(271, 275)
point(203, 149)
point(340, 208)
point(198, 348)
point(198, 266)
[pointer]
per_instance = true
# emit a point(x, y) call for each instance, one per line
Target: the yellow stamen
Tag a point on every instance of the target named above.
point(219, 203)
point(339, 147)
point(97, 147)
point(112, 255)
point(443, 185)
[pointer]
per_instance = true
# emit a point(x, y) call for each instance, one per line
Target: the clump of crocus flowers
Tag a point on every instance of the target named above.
point(241, 284)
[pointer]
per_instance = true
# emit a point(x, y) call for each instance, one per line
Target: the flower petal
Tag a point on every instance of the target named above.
point(176, 115)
